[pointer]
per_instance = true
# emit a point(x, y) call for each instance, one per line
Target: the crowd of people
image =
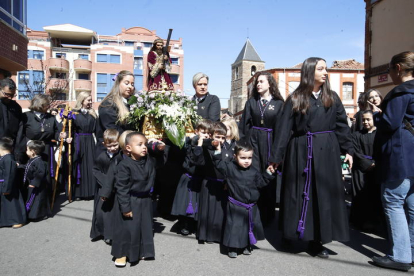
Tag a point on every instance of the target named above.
point(225, 184)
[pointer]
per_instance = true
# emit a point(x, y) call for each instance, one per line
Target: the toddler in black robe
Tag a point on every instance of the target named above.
point(12, 211)
point(37, 204)
point(133, 234)
point(102, 224)
point(243, 226)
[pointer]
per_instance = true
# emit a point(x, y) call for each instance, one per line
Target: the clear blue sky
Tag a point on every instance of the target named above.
point(284, 33)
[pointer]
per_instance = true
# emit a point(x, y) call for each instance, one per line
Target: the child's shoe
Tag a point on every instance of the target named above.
point(247, 251)
point(16, 226)
point(120, 262)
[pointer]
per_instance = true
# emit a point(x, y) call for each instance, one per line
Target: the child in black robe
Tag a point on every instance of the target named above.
point(366, 210)
point(133, 235)
point(186, 198)
point(213, 196)
point(102, 224)
point(243, 226)
point(37, 204)
point(12, 211)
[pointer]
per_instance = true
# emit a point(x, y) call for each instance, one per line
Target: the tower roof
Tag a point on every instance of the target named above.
point(248, 53)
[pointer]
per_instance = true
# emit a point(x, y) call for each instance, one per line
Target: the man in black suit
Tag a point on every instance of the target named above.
point(10, 110)
point(208, 105)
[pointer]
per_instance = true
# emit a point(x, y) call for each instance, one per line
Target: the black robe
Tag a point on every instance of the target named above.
point(326, 218)
point(12, 209)
point(108, 118)
point(133, 237)
point(102, 219)
point(366, 191)
point(84, 183)
point(209, 107)
point(31, 129)
point(188, 187)
point(213, 196)
point(262, 142)
point(36, 176)
point(10, 118)
point(243, 185)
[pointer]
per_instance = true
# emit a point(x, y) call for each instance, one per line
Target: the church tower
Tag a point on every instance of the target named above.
point(246, 65)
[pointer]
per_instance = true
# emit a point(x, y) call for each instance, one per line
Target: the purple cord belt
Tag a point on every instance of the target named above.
point(52, 159)
point(367, 157)
point(78, 175)
point(214, 179)
point(269, 131)
point(29, 203)
point(308, 171)
point(1, 180)
point(249, 208)
point(190, 210)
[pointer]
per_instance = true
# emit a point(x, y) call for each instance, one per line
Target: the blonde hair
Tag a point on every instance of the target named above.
point(79, 101)
point(115, 96)
point(122, 137)
point(38, 102)
point(406, 61)
point(197, 77)
point(232, 124)
point(110, 135)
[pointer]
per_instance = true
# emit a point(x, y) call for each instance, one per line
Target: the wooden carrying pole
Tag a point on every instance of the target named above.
point(64, 115)
point(70, 159)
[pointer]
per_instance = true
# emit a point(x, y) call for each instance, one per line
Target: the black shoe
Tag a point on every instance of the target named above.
point(388, 263)
point(247, 251)
point(108, 241)
point(184, 232)
point(232, 254)
point(316, 249)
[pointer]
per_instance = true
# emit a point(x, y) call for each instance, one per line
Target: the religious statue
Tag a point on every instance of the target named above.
point(159, 65)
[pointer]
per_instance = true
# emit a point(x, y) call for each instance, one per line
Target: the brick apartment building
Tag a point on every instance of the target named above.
point(13, 42)
point(67, 59)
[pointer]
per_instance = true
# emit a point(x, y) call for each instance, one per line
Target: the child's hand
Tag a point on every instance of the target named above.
point(160, 145)
point(31, 186)
point(200, 141)
point(6, 193)
point(271, 169)
point(103, 198)
point(127, 214)
point(274, 165)
point(69, 140)
point(216, 144)
point(191, 135)
point(62, 135)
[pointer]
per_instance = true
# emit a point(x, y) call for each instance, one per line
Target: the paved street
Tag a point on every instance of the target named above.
point(61, 246)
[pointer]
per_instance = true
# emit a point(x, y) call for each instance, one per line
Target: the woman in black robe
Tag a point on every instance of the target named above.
point(312, 132)
point(84, 126)
point(114, 108)
point(258, 124)
point(39, 125)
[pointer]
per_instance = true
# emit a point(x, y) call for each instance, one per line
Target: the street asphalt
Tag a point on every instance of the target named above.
point(61, 246)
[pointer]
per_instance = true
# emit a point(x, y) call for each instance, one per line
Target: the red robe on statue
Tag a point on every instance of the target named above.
point(158, 79)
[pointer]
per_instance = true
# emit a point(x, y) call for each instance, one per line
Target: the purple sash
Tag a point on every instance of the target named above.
point(249, 207)
point(308, 182)
point(77, 135)
point(367, 157)
point(190, 209)
point(214, 179)
point(269, 131)
point(1, 180)
point(31, 199)
point(52, 159)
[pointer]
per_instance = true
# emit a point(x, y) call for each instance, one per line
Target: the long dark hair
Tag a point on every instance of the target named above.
point(367, 106)
point(273, 90)
point(300, 97)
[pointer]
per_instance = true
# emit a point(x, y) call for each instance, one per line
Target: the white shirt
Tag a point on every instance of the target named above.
point(39, 114)
point(84, 111)
point(110, 154)
point(316, 94)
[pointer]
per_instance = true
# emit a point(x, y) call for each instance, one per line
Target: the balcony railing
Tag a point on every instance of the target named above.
point(82, 65)
point(56, 84)
point(82, 85)
point(58, 64)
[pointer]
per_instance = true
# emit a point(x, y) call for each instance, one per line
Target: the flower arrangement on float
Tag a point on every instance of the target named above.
point(163, 114)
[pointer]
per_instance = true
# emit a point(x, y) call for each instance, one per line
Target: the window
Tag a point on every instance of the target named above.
point(104, 84)
point(60, 55)
point(236, 75)
point(14, 13)
point(174, 79)
point(147, 44)
point(174, 60)
point(61, 76)
point(35, 54)
point(59, 96)
point(129, 43)
point(253, 70)
point(83, 56)
point(29, 83)
point(347, 91)
point(83, 77)
point(292, 86)
point(109, 58)
point(138, 63)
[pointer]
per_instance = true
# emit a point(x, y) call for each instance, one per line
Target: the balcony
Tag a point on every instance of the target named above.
point(82, 85)
point(82, 65)
point(58, 85)
point(59, 64)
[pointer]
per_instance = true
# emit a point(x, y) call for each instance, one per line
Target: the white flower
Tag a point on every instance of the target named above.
point(152, 95)
point(167, 93)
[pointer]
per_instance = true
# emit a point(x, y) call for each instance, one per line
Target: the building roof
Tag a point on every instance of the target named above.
point(347, 64)
point(248, 53)
point(70, 32)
